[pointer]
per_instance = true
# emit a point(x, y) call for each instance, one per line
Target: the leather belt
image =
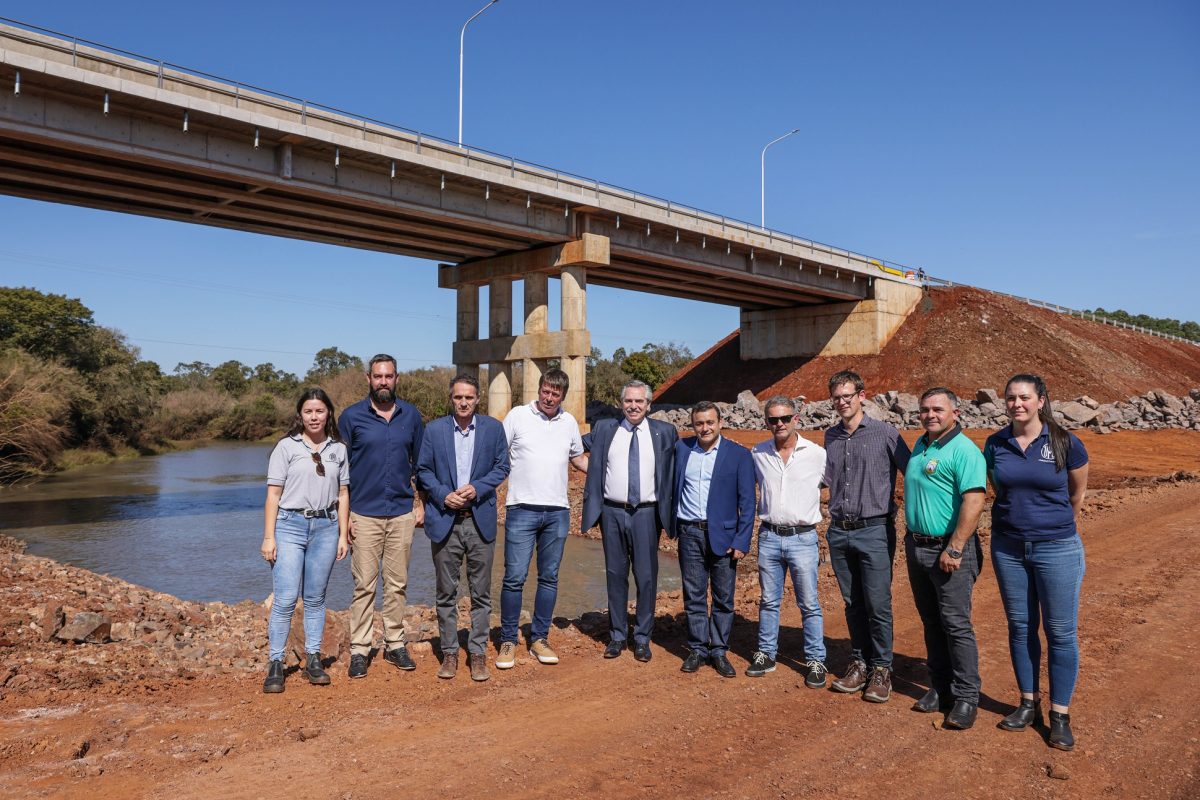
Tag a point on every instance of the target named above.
point(702, 524)
point(787, 530)
point(858, 523)
point(463, 513)
point(627, 507)
point(311, 513)
point(921, 540)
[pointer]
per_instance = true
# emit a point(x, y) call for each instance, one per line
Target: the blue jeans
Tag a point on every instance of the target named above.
point(778, 555)
point(524, 529)
point(1041, 579)
point(305, 552)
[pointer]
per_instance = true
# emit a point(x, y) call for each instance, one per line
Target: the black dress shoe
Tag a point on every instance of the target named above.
point(316, 675)
point(614, 649)
point(961, 716)
point(721, 664)
point(693, 661)
point(1026, 714)
point(930, 702)
point(399, 658)
point(1060, 731)
point(358, 666)
point(641, 651)
point(274, 682)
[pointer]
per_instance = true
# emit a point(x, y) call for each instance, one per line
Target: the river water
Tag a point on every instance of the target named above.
point(190, 524)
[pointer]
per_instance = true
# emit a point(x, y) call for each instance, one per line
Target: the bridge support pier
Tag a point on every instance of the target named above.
point(831, 329)
point(537, 345)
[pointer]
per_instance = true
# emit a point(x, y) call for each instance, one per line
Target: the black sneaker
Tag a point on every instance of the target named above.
point(399, 658)
point(358, 666)
point(816, 674)
point(760, 665)
point(316, 675)
point(274, 682)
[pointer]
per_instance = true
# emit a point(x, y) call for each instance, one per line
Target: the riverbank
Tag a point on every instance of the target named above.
point(131, 719)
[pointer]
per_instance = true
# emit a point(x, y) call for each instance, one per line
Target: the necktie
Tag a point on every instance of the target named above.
point(635, 471)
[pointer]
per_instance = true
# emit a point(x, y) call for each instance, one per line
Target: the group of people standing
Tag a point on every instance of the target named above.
point(394, 474)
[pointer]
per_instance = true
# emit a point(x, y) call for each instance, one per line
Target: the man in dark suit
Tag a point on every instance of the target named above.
point(628, 492)
point(714, 519)
point(463, 458)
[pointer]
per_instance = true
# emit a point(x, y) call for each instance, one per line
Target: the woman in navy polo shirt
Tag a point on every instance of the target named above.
point(1040, 473)
point(305, 529)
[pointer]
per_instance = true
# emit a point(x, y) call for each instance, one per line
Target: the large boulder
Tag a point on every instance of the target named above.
point(906, 404)
point(989, 396)
point(1078, 413)
point(86, 626)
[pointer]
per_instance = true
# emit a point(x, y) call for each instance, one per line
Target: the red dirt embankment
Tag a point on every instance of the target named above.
point(965, 339)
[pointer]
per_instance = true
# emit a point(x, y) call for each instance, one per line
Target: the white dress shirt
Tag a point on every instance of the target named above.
point(789, 494)
point(616, 468)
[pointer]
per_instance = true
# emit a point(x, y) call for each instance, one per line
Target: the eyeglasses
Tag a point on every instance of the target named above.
point(843, 398)
point(785, 419)
point(316, 457)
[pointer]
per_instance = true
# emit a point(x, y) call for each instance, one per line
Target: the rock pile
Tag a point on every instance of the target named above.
point(1151, 411)
point(63, 627)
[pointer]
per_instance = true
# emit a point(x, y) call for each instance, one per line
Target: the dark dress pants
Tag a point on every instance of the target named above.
point(701, 569)
point(943, 600)
point(463, 543)
point(630, 538)
point(862, 562)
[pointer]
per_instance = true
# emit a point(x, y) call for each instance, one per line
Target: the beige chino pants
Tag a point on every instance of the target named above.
point(385, 541)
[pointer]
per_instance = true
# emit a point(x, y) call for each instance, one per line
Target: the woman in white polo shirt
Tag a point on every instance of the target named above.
point(305, 528)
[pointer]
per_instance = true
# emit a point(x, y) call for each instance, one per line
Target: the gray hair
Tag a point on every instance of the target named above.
point(636, 384)
point(951, 396)
point(780, 400)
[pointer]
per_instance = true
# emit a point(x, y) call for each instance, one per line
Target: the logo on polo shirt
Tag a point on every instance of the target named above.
point(931, 466)
point(1047, 452)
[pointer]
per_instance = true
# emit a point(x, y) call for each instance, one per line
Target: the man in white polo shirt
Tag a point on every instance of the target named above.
point(542, 439)
point(789, 470)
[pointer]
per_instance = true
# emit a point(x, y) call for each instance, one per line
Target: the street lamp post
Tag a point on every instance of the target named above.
point(462, 36)
point(762, 164)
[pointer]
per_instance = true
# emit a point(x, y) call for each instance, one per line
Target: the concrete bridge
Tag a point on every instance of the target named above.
point(88, 125)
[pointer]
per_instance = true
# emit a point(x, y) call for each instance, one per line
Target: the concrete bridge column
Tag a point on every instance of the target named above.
point(468, 325)
point(499, 326)
point(537, 315)
point(571, 345)
point(574, 319)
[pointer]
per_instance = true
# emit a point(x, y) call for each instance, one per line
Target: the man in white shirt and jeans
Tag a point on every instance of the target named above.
point(542, 439)
point(789, 471)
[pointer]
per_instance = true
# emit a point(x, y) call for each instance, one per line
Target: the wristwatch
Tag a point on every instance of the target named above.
point(953, 553)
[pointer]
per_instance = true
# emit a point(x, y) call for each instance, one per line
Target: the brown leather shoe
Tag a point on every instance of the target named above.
point(478, 664)
point(879, 687)
point(449, 665)
point(854, 680)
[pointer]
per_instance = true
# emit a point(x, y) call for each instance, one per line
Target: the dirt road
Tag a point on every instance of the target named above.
point(590, 727)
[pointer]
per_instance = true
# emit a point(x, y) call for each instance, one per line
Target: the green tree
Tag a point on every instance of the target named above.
point(643, 367)
point(232, 376)
point(49, 326)
point(330, 361)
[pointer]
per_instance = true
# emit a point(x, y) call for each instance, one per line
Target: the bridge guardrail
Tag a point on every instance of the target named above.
point(1071, 312)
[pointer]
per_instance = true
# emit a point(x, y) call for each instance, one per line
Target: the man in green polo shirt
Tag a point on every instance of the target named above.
point(944, 487)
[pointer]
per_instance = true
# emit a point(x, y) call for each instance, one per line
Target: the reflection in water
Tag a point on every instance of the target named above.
point(190, 524)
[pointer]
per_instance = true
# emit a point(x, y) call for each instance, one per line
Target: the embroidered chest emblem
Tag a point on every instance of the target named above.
point(1047, 452)
point(931, 466)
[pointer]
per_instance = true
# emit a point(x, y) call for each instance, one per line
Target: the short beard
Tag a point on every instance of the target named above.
point(383, 396)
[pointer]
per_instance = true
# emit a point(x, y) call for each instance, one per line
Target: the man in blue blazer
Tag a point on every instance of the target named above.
point(714, 519)
point(463, 458)
point(630, 483)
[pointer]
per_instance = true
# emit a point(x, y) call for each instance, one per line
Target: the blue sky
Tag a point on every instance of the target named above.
point(1042, 149)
